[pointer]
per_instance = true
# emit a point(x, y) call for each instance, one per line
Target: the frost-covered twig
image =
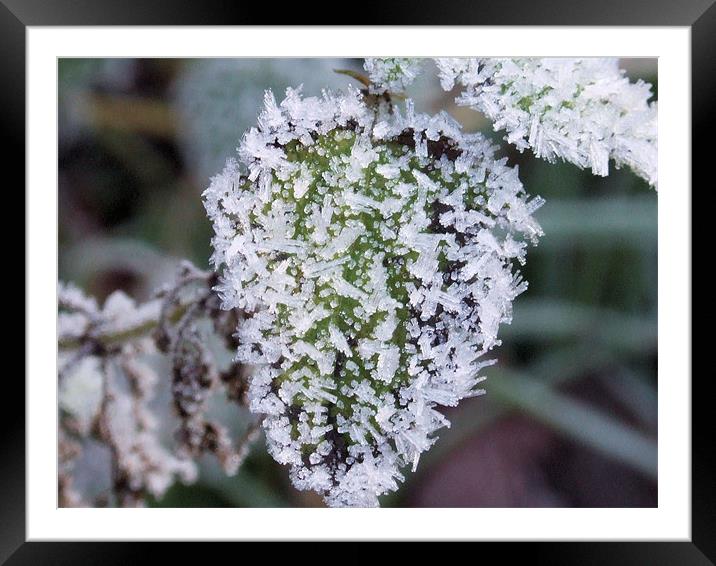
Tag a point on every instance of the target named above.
point(252, 434)
point(69, 450)
point(107, 386)
point(584, 111)
point(121, 321)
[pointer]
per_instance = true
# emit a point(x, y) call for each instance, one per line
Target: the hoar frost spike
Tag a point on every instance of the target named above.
point(374, 253)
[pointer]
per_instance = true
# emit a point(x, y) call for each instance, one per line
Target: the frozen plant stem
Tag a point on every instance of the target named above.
point(584, 111)
point(164, 311)
point(103, 350)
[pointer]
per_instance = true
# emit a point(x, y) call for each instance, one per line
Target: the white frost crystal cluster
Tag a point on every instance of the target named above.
point(374, 253)
point(89, 386)
point(585, 111)
point(391, 74)
point(81, 392)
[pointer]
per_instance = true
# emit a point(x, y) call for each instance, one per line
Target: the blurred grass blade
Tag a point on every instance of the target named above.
point(242, 490)
point(545, 320)
point(634, 390)
point(578, 421)
point(627, 221)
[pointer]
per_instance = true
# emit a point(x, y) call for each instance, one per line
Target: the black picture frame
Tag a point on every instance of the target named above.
point(699, 15)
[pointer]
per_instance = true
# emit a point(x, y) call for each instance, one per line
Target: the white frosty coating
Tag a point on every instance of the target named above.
point(80, 392)
point(374, 253)
point(72, 298)
point(131, 424)
point(585, 111)
point(145, 462)
point(118, 314)
point(391, 74)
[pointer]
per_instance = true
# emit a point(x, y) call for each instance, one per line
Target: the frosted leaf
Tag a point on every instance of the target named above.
point(144, 462)
point(373, 253)
point(585, 111)
point(80, 392)
point(71, 298)
point(391, 74)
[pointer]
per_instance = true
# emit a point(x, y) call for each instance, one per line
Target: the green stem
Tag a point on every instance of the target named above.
point(128, 334)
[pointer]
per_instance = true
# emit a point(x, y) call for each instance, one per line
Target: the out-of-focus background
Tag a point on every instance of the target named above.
point(570, 416)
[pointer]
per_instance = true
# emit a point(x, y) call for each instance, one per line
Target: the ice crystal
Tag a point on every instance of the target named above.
point(373, 252)
point(391, 74)
point(584, 111)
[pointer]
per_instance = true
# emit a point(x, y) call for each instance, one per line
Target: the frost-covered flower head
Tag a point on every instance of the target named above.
point(374, 253)
point(585, 111)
